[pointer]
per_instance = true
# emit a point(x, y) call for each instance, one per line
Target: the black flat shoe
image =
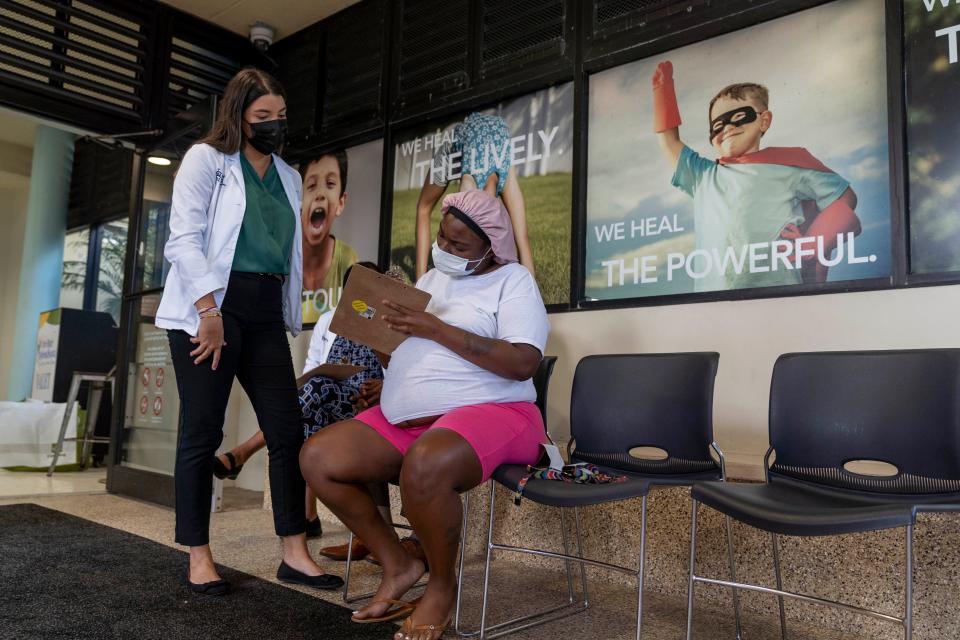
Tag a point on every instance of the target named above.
point(288, 574)
point(222, 471)
point(314, 528)
point(214, 588)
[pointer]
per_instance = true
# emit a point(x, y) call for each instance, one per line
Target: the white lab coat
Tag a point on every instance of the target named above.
point(320, 342)
point(206, 213)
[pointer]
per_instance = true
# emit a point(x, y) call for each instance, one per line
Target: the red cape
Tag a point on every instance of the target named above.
point(786, 156)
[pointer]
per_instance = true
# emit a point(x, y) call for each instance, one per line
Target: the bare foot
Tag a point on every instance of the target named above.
point(392, 587)
point(434, 611)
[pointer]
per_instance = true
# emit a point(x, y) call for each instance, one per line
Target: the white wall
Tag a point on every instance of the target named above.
point(13, 218)
point(362, 212)
point(749, 335)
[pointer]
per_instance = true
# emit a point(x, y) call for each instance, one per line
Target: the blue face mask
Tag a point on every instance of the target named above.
point(452, 265)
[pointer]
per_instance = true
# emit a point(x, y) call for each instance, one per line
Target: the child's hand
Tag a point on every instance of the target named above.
point(791, 232)
point(666, 112)
point(369, 394)
point(663, 73)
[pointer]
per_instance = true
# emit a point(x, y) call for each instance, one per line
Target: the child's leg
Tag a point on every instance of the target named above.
point(430, 194)
point(491, 185)
point(513, 201)
point(467, 183)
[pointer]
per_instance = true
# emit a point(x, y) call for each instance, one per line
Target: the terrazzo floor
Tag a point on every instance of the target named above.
point(242, 538)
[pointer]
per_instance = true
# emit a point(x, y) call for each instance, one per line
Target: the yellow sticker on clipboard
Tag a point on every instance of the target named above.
point(363, 309)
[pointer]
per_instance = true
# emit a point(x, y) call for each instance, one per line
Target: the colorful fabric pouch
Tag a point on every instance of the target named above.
point(579, 473)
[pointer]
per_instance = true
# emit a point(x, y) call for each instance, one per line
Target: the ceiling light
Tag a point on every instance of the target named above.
point(157, 160)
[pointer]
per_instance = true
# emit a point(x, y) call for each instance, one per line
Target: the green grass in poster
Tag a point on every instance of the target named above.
point(547, 200)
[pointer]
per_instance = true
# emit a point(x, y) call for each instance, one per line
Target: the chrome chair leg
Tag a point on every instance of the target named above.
point(583, 567)
point(346, 570)
point(693, 559)
point(908, 613)
point(777, 572)
point(566, 551)
point(906, 621)
point(733, 576)
point(640, 571)
point(463, 552)
point(486, 569)
point(540, 617)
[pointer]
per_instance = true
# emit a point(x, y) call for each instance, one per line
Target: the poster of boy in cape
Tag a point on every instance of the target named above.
point(754, 159)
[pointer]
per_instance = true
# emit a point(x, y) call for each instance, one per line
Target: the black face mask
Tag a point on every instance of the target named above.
point(268, 136)
point(736, 117)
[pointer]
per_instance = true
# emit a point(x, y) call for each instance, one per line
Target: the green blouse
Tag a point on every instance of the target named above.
point(266, 235)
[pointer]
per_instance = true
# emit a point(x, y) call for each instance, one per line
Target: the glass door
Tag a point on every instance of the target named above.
point(144, 438)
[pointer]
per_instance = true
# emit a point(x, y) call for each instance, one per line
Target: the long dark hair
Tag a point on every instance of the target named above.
point(226, 134)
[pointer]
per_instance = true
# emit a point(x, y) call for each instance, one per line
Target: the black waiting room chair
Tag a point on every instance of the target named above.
point(830, 412)
point(621, 405)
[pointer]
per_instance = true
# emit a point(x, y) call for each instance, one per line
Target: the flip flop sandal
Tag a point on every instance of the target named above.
point(222, 472)
point(399, 609)
point(436, 630)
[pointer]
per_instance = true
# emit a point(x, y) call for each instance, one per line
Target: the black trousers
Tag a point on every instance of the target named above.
point(258, 355)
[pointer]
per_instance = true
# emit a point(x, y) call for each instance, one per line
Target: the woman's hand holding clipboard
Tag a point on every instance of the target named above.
point(360, 314)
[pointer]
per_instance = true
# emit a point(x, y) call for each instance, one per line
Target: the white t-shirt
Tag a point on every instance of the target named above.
point(427, 379)
point(320, 342)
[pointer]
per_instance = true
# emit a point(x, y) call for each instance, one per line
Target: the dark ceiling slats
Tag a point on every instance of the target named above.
point(433, 49)
point(86, 12)
point(80, 56)
point(70, 25)
point(119, 66)
point(354, 69)
point(299, 65)
point(616, 15)
point(112, 66)
point(512, 29)
point(54, 39)
point(341, 72)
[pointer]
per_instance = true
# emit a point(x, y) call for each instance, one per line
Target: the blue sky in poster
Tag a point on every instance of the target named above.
point(825, 69)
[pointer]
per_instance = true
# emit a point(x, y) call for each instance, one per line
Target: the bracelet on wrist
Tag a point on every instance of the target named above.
point(205, 309)
point(213, 313)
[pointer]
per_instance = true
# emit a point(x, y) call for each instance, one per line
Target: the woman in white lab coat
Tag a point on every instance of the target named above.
point(232, 292)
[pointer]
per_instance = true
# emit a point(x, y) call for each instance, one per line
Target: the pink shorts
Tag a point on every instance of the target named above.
point(503, 433)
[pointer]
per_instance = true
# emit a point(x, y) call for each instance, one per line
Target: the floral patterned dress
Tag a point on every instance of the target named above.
point(484, 145)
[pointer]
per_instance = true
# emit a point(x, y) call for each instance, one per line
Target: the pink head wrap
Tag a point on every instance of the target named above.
point(490, 215)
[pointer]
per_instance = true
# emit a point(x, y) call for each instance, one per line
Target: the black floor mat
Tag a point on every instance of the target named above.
point(65, 577)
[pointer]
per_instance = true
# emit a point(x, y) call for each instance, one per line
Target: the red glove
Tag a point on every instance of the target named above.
point(836, 219)
point(666, 113)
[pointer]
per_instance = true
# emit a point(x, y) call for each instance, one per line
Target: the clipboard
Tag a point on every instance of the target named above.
point(330, 370)
point(359, 315)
